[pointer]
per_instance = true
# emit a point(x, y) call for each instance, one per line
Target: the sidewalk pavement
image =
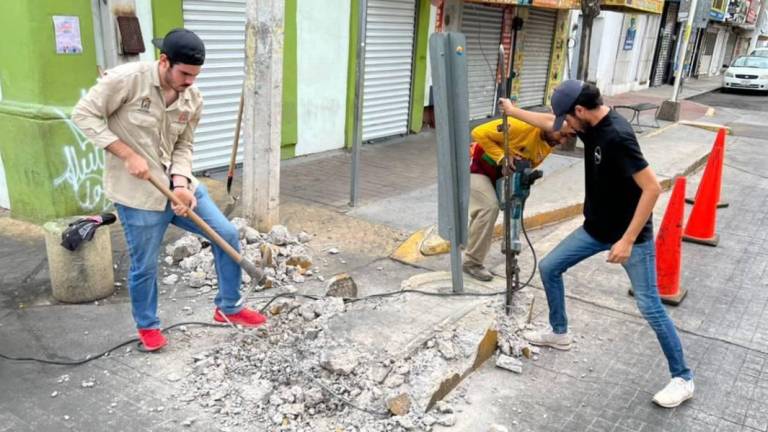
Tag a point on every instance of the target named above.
point(315, 196)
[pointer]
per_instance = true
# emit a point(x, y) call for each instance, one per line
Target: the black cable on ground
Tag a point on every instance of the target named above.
point(284, 295)
point(104, 353)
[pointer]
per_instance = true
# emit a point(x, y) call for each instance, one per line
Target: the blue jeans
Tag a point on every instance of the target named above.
point(641, 269)
point(144, 231)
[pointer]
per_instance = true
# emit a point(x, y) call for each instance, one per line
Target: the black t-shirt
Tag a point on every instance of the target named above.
point(611, 156)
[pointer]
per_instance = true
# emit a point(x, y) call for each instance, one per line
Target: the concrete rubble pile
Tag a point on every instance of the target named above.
point(279, 376)
point(294, 375)
point(285, 258)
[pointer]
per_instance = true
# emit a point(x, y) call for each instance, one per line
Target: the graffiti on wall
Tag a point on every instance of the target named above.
point(84, 164)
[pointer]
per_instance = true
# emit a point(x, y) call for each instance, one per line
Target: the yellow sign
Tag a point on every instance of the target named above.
point(648, 6)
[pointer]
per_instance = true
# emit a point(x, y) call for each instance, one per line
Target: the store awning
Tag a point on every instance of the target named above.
point(633, 6)
point(549, 4)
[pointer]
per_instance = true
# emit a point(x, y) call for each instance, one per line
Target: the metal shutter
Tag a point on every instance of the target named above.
point(666, 48)
point(539, 31)
point(482, 27)
point(221, 25)
point(389, 34)
point(729, 47)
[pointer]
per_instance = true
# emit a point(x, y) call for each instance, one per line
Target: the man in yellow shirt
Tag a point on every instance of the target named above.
point(486, 167)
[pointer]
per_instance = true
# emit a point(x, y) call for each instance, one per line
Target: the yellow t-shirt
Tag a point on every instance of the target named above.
point(524, 140)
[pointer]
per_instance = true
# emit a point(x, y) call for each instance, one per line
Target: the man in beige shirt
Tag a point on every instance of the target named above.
point(144, 115)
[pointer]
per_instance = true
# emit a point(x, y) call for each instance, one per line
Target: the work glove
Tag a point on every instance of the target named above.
point(83, 229)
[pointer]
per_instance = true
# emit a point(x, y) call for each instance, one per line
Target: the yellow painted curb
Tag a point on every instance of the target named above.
point(433, 244)
point(410, 251)
point(426, 242)
point(714, 127)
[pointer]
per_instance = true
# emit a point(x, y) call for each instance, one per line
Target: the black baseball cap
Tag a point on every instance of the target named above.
point(563, 98)
point(182, 46)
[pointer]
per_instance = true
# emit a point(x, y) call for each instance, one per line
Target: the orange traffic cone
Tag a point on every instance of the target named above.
point(703, 219)
point(719, 142)
point(669, 245)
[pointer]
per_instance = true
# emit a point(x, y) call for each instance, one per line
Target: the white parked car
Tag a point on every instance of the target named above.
point(747, 73)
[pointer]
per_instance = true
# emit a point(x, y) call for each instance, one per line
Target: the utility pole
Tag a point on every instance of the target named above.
point(357, 129)
point(670, 109)
point(262, 116)
point(759, 23)
point(453, 13)
point(590, 9)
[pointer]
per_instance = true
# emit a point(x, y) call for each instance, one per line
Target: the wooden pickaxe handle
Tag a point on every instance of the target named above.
point(249, 267)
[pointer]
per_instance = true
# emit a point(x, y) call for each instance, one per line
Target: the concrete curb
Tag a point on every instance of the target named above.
point(411, 251)
point(713, 127)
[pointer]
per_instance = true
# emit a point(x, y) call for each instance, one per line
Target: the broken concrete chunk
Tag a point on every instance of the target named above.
point(341, 285)
point(186, 246)
point(446, 348)
point(307, 311)
point(313, 396)
point(497, 428)
point(329, 306)
point(447, 420)
point(405, 422)
point(333, 251)
point(191, 263)
point(339, 361)
point(197, 279)
point(170, 279)
point(304, 237)
point(302, 261)
point(251, 235)
point(267, 255)
point(399, 405)
point(241, 224)
point(295, 409)
point(509, 363)
point(279, 235)
point(258, 390)
point(394, 380)
point(443, 407)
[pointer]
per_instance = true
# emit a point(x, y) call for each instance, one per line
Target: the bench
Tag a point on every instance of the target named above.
point(636, 110)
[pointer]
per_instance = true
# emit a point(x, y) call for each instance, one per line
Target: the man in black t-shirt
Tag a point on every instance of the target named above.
point(621, 191)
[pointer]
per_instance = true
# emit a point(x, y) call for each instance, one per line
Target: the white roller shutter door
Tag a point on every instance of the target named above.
point(482, 27)
point(221, 26)
point(539, 31)
point(389, 36)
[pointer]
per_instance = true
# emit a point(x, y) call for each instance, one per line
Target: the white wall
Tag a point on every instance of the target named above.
point(323, 52)
point(604, 48)
point(617, 70)
point(144, 13)
point(5, 200)
point(428, 82)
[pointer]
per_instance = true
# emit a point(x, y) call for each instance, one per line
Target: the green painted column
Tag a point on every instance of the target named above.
point(419, 66)
point(354, 11)
point(50, 169)
point(290, 127)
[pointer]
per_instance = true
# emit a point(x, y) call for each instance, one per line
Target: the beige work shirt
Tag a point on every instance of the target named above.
point(128, 104)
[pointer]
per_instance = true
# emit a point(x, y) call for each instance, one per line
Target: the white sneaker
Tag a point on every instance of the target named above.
point(676, 392)
point(546, 337)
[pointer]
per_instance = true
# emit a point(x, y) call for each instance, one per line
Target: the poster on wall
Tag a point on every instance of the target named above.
point(629, 39)
point(67, 32)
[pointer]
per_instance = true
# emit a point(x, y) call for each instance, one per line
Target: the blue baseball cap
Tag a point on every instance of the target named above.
point(563, 98)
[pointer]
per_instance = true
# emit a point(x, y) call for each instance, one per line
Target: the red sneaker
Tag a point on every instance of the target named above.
point(246, 318)
point(152, 339)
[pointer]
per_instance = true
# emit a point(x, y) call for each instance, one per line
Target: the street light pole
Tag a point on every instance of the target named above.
point(670, 109)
